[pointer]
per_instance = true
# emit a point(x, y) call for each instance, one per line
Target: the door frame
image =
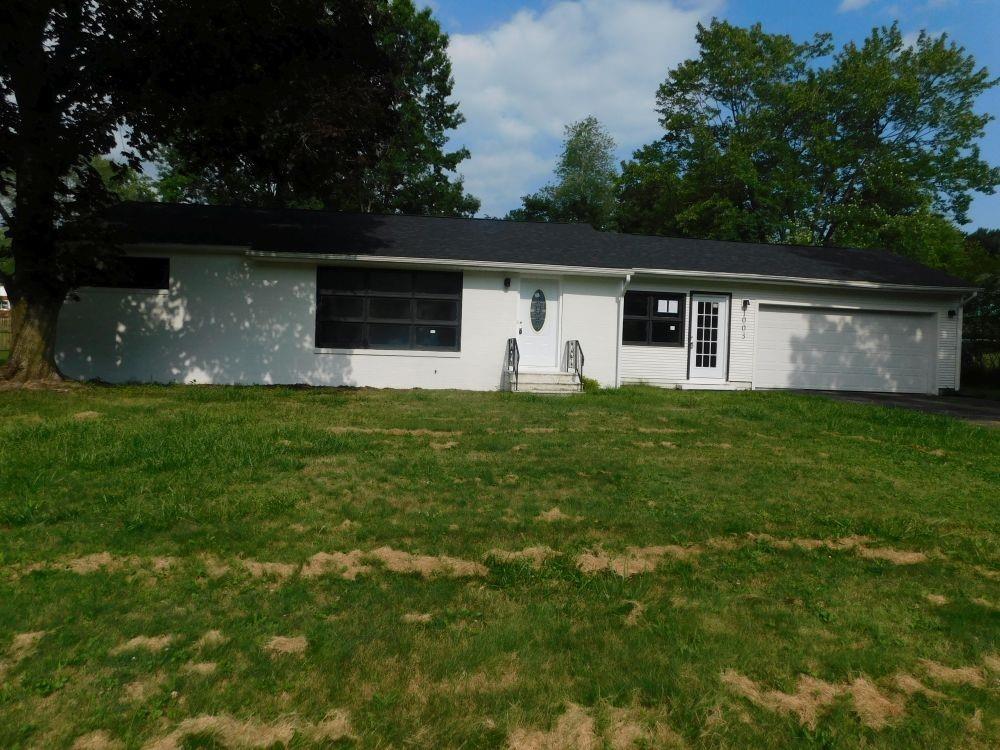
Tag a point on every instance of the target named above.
point(729, 328)
point(557, 279)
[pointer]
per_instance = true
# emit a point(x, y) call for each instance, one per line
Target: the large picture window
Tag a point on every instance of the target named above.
point(366, 308)
point(653, 319)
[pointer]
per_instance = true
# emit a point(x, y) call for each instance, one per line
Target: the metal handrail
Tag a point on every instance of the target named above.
point(575, 358)
point(512, 362)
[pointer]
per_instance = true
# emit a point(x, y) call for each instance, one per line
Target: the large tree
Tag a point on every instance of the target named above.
point(411, 171)
point(584, 190)
point(77, 75)
point(771, 140)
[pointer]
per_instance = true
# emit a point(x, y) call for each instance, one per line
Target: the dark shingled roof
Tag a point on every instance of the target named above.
point(291, 231)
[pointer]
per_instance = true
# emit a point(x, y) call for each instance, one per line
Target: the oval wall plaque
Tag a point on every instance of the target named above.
point(538, 309)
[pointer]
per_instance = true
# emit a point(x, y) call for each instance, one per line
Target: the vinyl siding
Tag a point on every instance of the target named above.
point(667, 366)
point(229, 319)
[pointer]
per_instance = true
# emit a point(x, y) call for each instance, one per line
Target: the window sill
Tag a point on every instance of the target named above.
point(391, 352)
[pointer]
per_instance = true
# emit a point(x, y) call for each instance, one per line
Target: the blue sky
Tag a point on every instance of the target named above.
point(525, 68)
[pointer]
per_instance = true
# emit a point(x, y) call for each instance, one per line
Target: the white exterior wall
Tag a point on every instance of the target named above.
point(230, 319)
point(667, 366)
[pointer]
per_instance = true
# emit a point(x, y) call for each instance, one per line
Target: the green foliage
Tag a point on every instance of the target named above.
point(771, 140)
point(584, 190)
point(125, 181)
point(981, 319)
point(404, 165)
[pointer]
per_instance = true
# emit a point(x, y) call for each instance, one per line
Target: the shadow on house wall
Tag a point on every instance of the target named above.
point(225, 319)
point(877, 351)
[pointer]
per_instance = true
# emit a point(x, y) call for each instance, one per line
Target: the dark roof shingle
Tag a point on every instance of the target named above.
point(303, 231)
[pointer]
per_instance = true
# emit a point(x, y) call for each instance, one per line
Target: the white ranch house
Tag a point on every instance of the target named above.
point(236, 295)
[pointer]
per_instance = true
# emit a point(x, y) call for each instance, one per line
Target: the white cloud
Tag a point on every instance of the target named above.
point(849, 5)
point(521, 82)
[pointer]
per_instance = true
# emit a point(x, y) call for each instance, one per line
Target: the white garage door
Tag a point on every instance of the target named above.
point(834, 350)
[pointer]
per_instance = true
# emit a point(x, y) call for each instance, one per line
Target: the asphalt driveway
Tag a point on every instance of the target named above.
point(982, 411)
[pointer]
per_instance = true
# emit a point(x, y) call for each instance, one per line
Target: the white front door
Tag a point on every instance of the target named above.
point(538, 324)
point(709, 336)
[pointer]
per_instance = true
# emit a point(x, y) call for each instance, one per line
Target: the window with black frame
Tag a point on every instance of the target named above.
point(133, 272)
point(653, 319)
point(370, 308)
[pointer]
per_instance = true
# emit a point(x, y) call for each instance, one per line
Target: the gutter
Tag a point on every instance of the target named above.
point(276, 256)
point(388, 259)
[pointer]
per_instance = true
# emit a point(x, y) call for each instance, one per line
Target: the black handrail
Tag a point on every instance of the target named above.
point(512, 362)
point(574, 358)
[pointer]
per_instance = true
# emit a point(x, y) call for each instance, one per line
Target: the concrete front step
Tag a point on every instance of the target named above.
point(548, 382)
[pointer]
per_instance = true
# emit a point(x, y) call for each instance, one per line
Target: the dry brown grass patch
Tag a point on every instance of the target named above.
point(233, 733)
point(447, 445)
point(141, 689)
point(347, 565)
point(574, 730)
point(99, 740)
point(634, 560)
point(855, 543)
point(954, 675)
point(535, 555)
point(414, 618)
point(936, 599)
point(84, 416)
point(632, 618)
point(202, 668)
point(554, 515)
point(874, 708)
point(211, 639)
point(22, 646)
point(282, 645)
point(910, 685)
point(632, 729)
point(538, 430)
point(811, 697)
point(427, 566)
point(153, 644)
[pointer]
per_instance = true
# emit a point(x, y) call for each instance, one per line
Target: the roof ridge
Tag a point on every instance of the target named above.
point(337, 212)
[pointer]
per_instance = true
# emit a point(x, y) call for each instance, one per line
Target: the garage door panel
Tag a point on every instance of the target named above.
point(834, 350)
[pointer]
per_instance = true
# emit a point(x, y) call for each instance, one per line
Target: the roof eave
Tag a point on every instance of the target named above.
point(800, 281)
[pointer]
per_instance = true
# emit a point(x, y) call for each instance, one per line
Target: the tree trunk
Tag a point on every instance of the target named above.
point(32, 353)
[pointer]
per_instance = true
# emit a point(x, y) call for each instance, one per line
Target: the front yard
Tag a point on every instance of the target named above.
point(249, 567)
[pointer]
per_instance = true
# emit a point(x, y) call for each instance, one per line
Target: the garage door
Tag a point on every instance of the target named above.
point(834, 350)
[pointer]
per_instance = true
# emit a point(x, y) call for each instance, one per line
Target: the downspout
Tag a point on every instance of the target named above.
point(618, 331)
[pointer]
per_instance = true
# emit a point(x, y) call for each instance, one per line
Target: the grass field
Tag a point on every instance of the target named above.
point(248, 567)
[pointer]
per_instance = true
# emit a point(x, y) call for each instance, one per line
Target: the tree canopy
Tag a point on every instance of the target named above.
point(771, 140)
point(282, 160)
point(230, 82)
point(584, 189)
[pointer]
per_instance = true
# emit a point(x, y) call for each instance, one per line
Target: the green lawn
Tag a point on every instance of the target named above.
point(249, 567)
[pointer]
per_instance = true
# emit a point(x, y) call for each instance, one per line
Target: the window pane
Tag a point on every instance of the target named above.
point(443, 337)
point(335, 334)
point(434, 282)
point(665, 332)
point(666, 307)
point(436, 309)
point(636, 303)
point(393, 308)
point(400, 282)
point(634, 331)
point(389, 336)
point(332, 307)
point(342, 279)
